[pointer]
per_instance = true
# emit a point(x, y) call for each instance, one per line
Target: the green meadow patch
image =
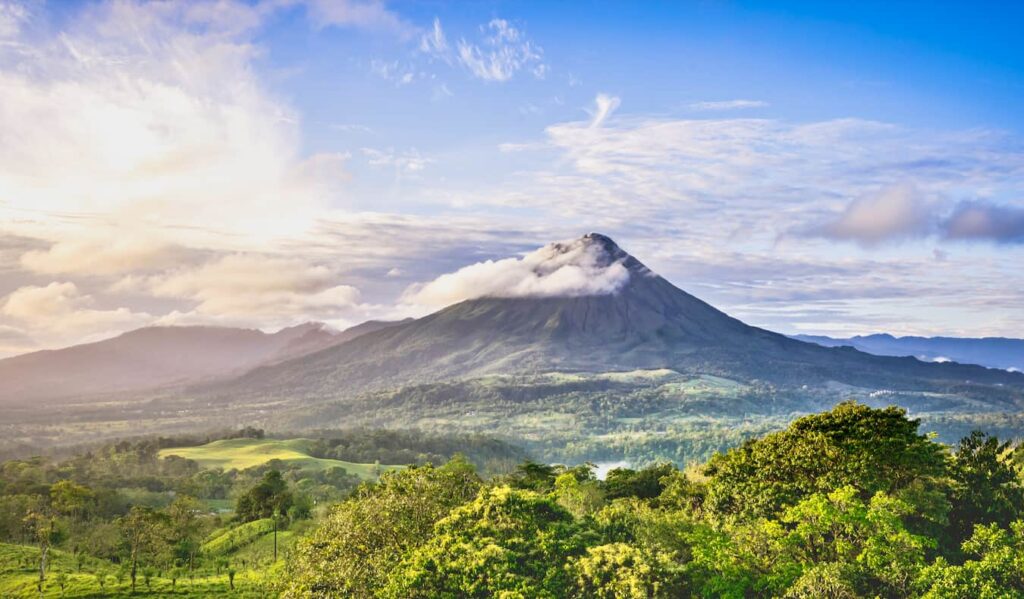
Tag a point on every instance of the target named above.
point(240, 454)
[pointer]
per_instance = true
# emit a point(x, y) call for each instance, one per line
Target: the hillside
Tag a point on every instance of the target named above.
point(160, 357)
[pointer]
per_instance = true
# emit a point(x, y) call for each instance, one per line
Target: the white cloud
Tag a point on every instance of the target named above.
point(573, 268)
point(59, 310)
point(503, 52)
point(728, 105)
point(102, 256)
point(153, 113)
point(251, 287)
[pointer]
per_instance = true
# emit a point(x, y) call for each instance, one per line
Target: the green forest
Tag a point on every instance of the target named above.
point(852, 502)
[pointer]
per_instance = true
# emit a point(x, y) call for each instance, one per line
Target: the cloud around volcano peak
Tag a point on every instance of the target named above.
point(574, 268)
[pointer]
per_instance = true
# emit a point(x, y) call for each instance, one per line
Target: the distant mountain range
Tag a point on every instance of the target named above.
point(645, 322)
point(158, 357)
point(994, 352)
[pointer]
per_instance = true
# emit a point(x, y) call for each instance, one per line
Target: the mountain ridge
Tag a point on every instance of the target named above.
point(993, 352)
point(155, 357)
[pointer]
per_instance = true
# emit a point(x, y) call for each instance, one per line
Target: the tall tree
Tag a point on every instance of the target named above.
point(42, 526)
point(853, 445)
point(987, 489)
point(145, 533)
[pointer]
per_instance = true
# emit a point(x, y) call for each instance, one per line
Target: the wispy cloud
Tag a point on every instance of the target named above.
point(434, 41)
point(394, 71)
point(404, 162)
point(366, 14)
point(503, 52)
point(13, 15)
point(728, 105)
point(604, 106)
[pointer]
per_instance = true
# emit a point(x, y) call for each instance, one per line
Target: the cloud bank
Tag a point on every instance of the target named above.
point(568, 269)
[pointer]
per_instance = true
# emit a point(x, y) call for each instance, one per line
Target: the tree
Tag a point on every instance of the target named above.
point(43, 529)
point(533, 476)
point(644, 484)
point(359, 542)
point(580, 497)
point(836, 541)
point(269, 495)
point(621, 571)
point(62, 581)
point(185, 527)
point(986, 490)
point(996, 572)
point(72, 500)
point(852, 445)
point(506, 542)
point(145, 532)
point(176, 574)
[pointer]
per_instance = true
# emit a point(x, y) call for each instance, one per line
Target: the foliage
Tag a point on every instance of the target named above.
point(868, 449)
point(621, 571)
point(356, 545)
point(986, 486)
point(268, 499)
point(506, 542)
point(996, 570)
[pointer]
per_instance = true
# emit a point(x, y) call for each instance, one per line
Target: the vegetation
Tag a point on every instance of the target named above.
point(131, 517)
point(852, 502)
point(849, 503)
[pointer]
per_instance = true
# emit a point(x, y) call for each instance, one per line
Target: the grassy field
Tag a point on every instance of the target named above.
point(246, 453)
point(19, 575)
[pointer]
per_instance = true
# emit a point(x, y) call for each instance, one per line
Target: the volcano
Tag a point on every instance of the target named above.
point(587, 306)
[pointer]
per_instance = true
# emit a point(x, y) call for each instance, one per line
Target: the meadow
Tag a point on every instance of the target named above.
point(240, 454)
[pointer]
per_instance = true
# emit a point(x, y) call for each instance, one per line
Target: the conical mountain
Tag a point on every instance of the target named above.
point(587, 306)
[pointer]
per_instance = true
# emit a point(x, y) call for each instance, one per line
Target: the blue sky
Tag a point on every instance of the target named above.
point(810, 167)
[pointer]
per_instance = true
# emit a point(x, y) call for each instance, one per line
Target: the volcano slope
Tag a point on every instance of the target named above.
point(644, 323)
